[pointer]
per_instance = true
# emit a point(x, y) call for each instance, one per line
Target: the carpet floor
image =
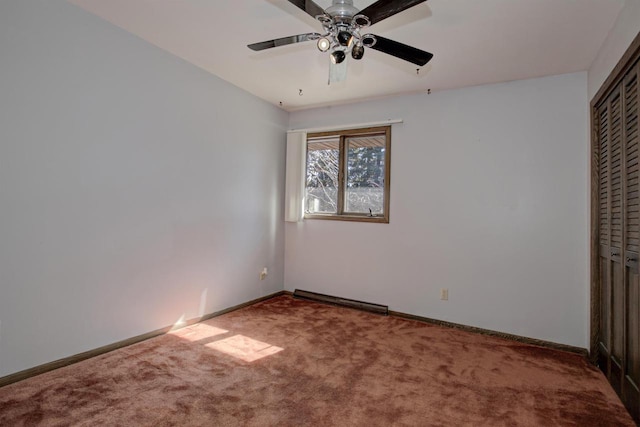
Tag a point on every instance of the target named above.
point(288, 362)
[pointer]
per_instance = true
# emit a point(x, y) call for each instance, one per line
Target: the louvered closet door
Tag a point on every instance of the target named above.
point(604, 227)
point(619, 236)
point(615, 250)
point(612, 271)
point(631, 379)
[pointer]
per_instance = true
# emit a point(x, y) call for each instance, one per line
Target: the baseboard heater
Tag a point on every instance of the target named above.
point(344, 302)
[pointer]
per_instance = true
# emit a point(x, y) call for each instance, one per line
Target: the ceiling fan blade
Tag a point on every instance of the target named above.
point(402, 51)
point(382, 9)
point(309, 6)
point(283, 41)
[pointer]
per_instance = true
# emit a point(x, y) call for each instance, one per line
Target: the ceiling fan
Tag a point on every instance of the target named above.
point(343, 25)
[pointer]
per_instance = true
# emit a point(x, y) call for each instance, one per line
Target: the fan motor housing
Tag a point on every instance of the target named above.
point(342, 10)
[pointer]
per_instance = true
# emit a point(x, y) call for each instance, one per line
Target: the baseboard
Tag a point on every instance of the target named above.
point(525, 340)
point(343, 302)
point(382, 309)
point(239, 306)
point(41, 369)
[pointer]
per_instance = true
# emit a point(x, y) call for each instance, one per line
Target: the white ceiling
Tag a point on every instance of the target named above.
point(474, 42)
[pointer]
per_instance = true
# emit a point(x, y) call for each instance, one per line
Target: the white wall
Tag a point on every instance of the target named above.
point(134, 188)
point(620, 37)
point(488, 199)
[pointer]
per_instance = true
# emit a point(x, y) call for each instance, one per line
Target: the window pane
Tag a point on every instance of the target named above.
point(364, 192)
point(322, 175)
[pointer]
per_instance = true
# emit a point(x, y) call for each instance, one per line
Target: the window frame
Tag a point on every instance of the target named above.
point(341, 215)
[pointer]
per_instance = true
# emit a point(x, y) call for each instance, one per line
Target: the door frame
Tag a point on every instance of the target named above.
point(625, 63)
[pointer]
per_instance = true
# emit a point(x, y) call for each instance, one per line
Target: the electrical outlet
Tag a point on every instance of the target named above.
point(444, 294)
point(263, 273)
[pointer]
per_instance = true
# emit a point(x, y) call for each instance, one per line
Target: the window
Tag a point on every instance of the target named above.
point(347, 175)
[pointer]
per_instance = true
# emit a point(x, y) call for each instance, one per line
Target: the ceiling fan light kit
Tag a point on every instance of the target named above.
point(342, 25)
point(357, 52)
point(323, 44)
point(338, 56)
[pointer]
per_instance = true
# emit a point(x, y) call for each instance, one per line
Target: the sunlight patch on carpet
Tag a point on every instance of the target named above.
point(199, 332)
point(244, 348)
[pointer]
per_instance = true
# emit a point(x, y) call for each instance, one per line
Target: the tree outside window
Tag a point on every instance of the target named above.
point(348, 175)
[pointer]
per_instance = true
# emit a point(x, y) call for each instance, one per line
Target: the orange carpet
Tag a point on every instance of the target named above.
point(287, 362)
